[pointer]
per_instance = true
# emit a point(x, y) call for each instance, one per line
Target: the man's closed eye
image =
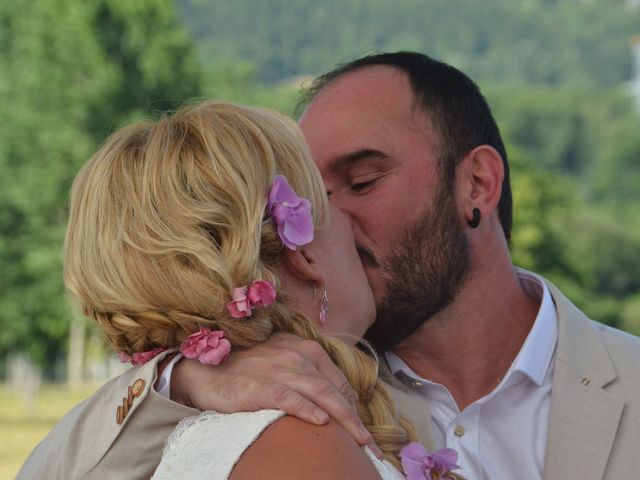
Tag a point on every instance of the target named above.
point(363, 186)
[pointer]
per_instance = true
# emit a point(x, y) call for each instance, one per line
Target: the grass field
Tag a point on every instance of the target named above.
point(22, 432)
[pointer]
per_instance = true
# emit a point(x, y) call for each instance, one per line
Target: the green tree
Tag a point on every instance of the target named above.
point(71, 71)
point(615, 172)
point(533, 42)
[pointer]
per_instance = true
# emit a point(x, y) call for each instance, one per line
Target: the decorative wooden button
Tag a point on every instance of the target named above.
point(133, 391)
point(138, 387)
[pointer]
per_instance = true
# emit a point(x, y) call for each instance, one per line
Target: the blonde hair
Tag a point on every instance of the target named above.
point(167, 218)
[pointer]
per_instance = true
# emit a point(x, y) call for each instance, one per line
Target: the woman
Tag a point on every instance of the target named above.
point(207, 232)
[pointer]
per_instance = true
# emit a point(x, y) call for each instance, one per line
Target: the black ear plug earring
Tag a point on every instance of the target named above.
point(475, 221)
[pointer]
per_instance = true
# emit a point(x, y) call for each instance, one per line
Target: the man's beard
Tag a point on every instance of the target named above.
point(422, 275)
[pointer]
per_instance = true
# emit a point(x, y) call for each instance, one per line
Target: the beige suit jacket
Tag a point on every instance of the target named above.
point(88, 443)
point(594, 430)
point(594, 422)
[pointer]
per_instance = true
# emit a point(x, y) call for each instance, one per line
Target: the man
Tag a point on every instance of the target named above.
point(519, 381)
point(510, 374)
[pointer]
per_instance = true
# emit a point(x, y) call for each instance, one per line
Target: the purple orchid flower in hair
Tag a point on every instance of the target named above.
point(419, 464)
point(291, 213)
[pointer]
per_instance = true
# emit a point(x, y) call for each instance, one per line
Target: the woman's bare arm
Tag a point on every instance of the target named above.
point(293, 449)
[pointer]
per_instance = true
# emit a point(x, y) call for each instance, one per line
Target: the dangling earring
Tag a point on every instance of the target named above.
point(324, 308)
point(475, 221)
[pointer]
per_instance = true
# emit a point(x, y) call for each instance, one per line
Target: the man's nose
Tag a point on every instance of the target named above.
point(345, 207)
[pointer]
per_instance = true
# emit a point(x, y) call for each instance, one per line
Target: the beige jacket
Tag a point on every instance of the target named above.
point(594, 430)
point(89, 443)
point(594, 422)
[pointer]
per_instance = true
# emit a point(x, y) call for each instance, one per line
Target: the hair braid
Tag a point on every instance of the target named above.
point(375, 405)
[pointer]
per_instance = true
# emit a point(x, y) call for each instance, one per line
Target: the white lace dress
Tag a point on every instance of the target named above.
point(210, 444)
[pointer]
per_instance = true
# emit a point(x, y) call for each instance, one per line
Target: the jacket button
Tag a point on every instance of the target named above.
point(119, 415)
point(138, 387)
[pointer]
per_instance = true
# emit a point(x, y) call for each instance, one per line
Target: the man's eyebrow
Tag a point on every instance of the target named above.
point(343, 161)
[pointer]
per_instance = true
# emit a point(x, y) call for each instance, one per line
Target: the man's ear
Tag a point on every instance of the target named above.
point(302, 265)
point(482, 174)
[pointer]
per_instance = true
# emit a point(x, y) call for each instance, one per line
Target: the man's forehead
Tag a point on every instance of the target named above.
point(372, 86)
point(375, 100)
point(368, 109)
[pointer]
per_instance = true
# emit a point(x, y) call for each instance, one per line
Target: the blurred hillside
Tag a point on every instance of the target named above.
point(526, 42)
point(555, 72)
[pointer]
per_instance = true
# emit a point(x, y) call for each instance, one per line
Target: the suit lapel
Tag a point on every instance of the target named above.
point(410, 405)
point(584, 417)
point(107, 400)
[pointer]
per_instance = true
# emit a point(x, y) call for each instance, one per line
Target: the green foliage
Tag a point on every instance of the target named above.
point(547, 124)
point(236, 81)
point(575, 167)
point(615, 172)
point(522, 42)
point(152, 59)
point(631, 315)
point(541, 202)
point(47, 82)
point(71, 71)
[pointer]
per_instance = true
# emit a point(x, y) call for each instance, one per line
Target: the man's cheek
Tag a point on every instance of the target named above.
point(376, 282)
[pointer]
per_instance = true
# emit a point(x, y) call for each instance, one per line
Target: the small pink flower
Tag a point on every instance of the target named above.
point(261, 293)
point(143, 357)
point(139, 358)
point(239, 307)
point(207, 346)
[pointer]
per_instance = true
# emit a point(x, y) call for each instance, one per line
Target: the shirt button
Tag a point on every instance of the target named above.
point(458, 431)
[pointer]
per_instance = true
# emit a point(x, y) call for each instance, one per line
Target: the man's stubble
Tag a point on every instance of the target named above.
point(423, 274)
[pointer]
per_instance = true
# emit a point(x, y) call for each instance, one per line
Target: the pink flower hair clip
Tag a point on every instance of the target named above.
point(419, 464)
point(207, 346)
point(139, 358)
point(291, 213)
point(259, 294)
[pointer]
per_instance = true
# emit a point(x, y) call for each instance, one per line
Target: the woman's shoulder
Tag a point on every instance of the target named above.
point(265, 444)
point(292, 448)
point(210, 444)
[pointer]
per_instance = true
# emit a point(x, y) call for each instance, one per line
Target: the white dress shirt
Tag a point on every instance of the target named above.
point(163, 386)
point(501, 436)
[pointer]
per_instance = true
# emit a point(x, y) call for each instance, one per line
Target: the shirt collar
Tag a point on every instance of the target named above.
point(537, 352)
point(536, 355)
